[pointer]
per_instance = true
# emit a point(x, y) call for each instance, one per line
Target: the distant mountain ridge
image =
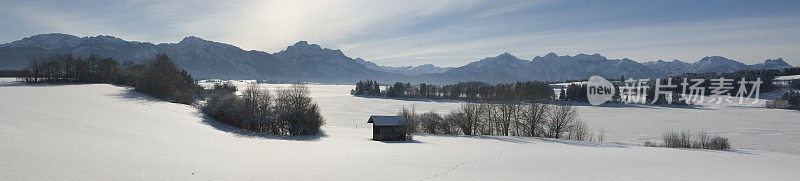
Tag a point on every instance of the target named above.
point(406, 70)
point(311, 63)
point(716, 64)
point(202, 58)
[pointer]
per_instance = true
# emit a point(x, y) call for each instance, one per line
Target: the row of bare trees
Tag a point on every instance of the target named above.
point(533, 119)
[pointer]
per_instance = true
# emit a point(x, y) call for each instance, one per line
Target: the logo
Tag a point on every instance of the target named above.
point(599, 90)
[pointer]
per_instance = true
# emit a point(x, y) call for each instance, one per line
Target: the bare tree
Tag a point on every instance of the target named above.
point(489, 120)
point(562, 117)
point(412, 119)
point(258, 107)
point(579, 131)
point(601, 136)
point(506, 116)
point(412, 123)
point(450, 123)
point(471, 115)
point(534, 116)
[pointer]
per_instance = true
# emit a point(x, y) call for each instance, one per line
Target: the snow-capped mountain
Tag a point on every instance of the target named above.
point(318, 64)
point(552, 67)
point(506, 68)
point(502, 68)
point(48, 41)
point(673, 67)
point(405, 70)
point(712, 64)
point(202, 58)
point(715, 64)
point(771, 64)
point(312, 63)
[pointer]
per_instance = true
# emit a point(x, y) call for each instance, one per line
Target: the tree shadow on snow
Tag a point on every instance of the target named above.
point(530, 140)
point(410, 99)
point(643, 106)
point(132, 94)
point(39, 84)
point(733, 150)
point(393, 142)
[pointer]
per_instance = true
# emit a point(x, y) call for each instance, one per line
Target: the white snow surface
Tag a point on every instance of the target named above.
point(787, 77)
point(106, 132)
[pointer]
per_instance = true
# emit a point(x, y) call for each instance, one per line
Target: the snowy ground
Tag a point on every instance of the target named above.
point(749, 126)
point(105, 132)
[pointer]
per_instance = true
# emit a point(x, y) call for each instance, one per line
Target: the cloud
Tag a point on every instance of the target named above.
point(750, 40)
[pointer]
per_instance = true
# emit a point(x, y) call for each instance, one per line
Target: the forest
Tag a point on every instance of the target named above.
point(470, 91)
point(158, 76)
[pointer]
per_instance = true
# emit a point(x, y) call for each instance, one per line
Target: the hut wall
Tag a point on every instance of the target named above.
point(387, 133)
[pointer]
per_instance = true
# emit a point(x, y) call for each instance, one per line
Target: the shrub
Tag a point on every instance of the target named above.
point(789, 100)
point(718, 143)
point(430, 122)
point(411, 125)
point(450, 123)
point(673, 139)
point(686, 139)
point(579, 131)
point(296, 110)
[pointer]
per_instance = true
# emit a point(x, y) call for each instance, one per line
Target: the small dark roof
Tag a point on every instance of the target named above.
point(387, 120)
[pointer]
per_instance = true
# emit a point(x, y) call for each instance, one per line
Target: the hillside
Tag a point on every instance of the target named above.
point(105, 132)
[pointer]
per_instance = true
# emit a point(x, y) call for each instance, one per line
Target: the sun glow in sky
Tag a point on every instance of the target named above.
point(442, 32)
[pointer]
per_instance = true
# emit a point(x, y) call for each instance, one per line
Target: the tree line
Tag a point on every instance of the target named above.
point(472, 91)
point(368, 88)
point(158, 76)
point(534, 119)
point(577, 92)
point(290, 112)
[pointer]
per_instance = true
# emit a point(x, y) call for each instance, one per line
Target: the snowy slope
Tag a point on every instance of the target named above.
point(105, 132)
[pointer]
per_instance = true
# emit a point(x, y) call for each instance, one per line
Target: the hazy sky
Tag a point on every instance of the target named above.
point(442, 32)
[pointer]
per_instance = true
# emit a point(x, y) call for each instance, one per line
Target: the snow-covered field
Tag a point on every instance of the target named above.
point(105, 132)
point(749, 126)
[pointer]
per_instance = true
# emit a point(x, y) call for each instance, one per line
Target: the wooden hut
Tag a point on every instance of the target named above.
point(388, 128)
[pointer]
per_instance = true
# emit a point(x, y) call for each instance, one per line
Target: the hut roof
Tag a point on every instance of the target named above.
point(387, 120)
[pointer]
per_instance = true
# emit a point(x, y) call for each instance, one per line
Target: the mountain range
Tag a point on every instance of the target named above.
point(406, 70)
point(306, 62)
